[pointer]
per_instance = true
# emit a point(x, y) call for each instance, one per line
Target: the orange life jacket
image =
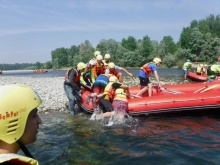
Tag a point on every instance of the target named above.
point(146, 69)
point(109, 91)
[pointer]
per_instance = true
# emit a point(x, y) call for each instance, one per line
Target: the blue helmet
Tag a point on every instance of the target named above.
point(188, 60)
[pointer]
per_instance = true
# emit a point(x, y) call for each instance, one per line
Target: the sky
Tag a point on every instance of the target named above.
point(30, 30)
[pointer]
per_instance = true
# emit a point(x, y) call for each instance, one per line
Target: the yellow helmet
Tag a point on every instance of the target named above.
point(81, 66)
point(97, 53)
point(157, 60)
point(107, 56)
point(99, 57)
point(16, 102)
point(111, 65)
point(113, 79)
point(201, 65)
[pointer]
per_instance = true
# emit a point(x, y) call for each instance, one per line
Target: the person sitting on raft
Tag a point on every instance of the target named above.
point(19, 123)
point(199, 70)
point(112, 69)
point(99, 67)
point(144, 74)
point(213, 71)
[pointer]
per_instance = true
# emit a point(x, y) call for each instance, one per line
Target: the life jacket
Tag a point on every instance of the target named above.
point(76, 78)
point(146, 69)
point(105, 64)
point(17, 159)
point(114, 72)
point(120, 94)
point(99, 69)
point(109, 92)
point(187, 65)
point(198, 69)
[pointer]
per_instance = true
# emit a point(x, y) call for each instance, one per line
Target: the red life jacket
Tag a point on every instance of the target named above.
point(114, 72)
point(146, 69)
point(76, 78)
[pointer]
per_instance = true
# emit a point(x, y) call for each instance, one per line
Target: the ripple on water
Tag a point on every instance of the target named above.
point(158, 140)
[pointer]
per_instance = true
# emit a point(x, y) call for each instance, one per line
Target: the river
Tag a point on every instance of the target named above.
point(167, 139)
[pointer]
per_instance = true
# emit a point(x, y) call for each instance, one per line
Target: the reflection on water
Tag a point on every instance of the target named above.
point(64, 139)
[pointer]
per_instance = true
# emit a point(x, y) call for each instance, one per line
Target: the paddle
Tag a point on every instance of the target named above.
point(209, 88)
point(171, 91)
point(200, 89)
point(135, 96)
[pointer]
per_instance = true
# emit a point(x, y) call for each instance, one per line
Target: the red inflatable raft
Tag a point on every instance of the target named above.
point(195, 77)
point(171, 98)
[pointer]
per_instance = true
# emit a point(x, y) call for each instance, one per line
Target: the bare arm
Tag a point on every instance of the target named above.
point(130, 74)
point(157, 78)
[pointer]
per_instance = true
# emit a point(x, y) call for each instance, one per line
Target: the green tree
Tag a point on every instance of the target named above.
point(130, 43)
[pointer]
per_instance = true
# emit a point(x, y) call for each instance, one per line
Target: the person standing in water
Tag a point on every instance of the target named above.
point(19, 123)
point(72, 86)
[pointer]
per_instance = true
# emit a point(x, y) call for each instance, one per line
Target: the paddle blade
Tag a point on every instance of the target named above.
point(209, 88)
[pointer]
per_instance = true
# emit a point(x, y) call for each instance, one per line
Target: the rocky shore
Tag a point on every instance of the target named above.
point(51, 90)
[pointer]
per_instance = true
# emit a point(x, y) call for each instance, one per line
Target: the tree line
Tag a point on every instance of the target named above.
point(199, 42)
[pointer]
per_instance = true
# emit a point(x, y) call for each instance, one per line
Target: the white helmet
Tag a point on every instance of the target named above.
point(113, 79)
point(97, 53)
point(157, 60)
point(99, 57)
point(92, 62)
point(111, 65)
point(107, 56)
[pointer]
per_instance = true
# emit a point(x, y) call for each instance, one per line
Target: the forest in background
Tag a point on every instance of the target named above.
point(199, 42)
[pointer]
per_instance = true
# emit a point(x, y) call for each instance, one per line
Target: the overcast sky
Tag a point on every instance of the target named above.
point(30, 30)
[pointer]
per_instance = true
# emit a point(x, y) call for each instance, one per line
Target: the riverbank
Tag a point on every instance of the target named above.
point(51, 91)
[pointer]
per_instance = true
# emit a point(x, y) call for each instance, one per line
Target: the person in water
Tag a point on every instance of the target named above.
point(19, 123)
point(106, 99)
point(144, 74)
point(72, 86)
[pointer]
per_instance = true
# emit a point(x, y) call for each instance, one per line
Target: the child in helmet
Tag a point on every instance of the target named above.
point(73, 87)
point(199, 70)
point(112, 69)
point(144, 74)
point(87, 77)
point(99, 67)
point(19, 123)
point(106, 99)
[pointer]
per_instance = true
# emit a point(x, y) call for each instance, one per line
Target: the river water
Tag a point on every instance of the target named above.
point(167, 139)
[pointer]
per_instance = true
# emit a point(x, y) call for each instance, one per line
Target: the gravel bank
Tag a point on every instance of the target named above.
point(51, 89)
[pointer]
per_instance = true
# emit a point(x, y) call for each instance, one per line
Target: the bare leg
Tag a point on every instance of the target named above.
point(108, 114)
point(150, 90)
point(144, 89)
point(120, 78)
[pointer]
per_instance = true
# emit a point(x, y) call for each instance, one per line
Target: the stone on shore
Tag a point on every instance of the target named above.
point(51, 91)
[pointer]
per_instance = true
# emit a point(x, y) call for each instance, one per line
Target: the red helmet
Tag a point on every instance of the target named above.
point(219, 59)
